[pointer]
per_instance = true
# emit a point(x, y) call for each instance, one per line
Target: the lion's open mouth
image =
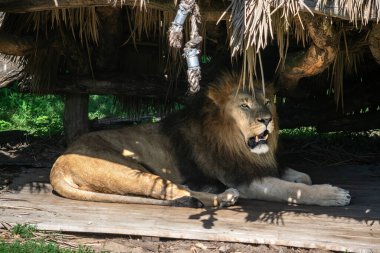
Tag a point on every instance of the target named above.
point(258, 144)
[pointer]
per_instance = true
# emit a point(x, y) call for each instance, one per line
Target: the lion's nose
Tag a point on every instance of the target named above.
point(265, 120)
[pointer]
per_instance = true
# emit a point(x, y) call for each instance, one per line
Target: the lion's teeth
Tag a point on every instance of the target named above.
point(257, 138)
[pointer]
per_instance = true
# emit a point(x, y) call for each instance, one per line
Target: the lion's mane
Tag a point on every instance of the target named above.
point(208, 141)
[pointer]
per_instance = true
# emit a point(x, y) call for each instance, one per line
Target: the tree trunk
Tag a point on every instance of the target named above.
point(75, 116)
point(374, 42)
point(316, 59)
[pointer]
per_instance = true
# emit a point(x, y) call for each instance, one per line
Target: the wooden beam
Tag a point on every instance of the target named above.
point(43, 5)
point(212, 12)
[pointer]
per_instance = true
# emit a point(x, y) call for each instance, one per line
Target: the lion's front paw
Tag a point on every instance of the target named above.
point(228, 198)
point(332, 196)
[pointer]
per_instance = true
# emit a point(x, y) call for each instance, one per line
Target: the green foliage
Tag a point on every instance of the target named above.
point(38, 247)
point(5, 125)
point(303, 132)
point(43, 115)
point(38, 115)
point(103, 106)
point(23, 230)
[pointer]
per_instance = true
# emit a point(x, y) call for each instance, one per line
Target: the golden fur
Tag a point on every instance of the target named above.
point(227, 137)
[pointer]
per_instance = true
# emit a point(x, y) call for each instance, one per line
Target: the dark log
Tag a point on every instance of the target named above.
point(209, 11)
point(41, 5)
point(352, 123)
point(12, 44)
point(75, 116)
point(374, 42)
point(316, 59)
point(142, 87)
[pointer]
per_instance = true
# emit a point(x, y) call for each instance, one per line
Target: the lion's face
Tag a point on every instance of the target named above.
point(243, 120)
point(254, 117)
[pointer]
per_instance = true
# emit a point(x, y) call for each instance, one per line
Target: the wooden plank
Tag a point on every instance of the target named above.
point(236, 224)
point(355, 228)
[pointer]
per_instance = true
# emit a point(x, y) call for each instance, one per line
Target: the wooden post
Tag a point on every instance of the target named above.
point(75, 116)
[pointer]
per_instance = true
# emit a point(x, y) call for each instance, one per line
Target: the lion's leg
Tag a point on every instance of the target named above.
point(296, 176)
point(154, 186)
point(87, 178)
point(275, 189)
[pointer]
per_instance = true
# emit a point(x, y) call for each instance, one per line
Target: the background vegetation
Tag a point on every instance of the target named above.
point(43, 115)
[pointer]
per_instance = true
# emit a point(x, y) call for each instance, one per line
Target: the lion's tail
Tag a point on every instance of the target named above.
point(71, 191)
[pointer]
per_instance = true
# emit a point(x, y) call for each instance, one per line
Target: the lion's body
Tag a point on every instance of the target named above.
point(214, 143)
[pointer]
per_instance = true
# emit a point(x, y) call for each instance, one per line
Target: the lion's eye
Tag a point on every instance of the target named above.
point(267, 102)
point(245, 106)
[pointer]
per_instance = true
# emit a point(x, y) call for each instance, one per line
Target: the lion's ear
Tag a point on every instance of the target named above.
point(214, 94)
point(270, 90)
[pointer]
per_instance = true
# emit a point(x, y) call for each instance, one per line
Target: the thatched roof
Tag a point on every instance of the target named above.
point(53, 32)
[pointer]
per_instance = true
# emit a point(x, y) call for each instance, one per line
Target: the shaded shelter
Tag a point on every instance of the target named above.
point(321, 55)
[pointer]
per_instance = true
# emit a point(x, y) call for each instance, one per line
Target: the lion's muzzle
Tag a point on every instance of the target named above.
point(258, 144)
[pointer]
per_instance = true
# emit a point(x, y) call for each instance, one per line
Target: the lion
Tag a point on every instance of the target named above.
point(220, 147)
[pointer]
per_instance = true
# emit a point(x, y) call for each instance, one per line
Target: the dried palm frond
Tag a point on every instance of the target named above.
point(292, 28)
point(40, 68)
point(252, 24)
point(237, 27)
point(83, 21)
point(258, 21)
point(147, 23)
point(346, 62)
point(140, 3)
point(356, 10)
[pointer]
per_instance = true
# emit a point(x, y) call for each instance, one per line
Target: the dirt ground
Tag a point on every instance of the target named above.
point(18, 151)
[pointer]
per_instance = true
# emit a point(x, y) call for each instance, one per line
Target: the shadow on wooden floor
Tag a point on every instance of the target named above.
point(353, 228)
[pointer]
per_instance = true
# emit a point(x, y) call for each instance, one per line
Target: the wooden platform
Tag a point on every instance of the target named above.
point(355, 228)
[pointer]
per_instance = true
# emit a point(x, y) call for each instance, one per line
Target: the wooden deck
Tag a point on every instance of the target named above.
point(355, 228)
